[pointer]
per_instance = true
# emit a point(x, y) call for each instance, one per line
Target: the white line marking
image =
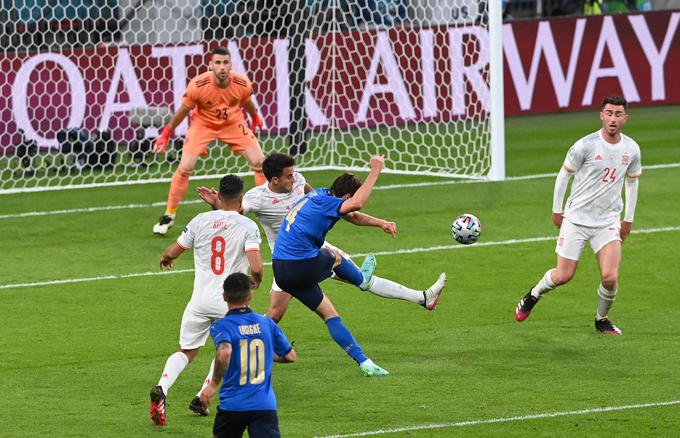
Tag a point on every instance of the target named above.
point(385, 187)
point(454, 246)
point(506, 419)
point(91, 209)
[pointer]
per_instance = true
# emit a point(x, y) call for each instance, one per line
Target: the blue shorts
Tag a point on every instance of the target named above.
point(229, 424)
point(301, 278)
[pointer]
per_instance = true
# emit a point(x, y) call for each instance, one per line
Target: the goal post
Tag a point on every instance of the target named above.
point(497, 94)
point(87, 84)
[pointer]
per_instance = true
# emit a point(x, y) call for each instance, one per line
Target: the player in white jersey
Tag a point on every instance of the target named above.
point(271, 201)
point(599, 162)
point(224, 242)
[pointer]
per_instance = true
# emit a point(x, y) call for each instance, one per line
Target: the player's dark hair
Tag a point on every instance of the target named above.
point(236, 287)
point(615, 100)
point(273, 165)
point(220, 51)
point(345, 184)
point(231, 187)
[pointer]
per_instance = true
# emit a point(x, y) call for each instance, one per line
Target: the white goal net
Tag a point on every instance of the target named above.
point(86, 85)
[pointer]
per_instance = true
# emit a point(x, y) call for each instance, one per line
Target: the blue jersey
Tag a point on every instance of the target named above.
point(247, 384)
point(304, 229)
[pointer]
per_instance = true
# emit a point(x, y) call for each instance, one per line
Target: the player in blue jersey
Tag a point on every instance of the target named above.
point(300, 261)
point(272, 201)
point(247, 345)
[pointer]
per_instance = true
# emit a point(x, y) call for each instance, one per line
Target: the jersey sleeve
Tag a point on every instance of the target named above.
point(186, 239)
point(190, 98)
point(281, 344)
point(253, 238)
point(635, 167)
point(575, 156)
point(219, 334)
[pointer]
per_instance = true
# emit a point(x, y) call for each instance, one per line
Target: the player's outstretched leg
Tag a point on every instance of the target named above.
point(367, 268)
point(544, 285)
point(524, 306)
point(370, 369)
point(607, 327)
point(433, 293)
point(157, 406)
point(351, 273)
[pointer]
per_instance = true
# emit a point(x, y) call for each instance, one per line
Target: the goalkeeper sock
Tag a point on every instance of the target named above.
point(605, 302)
point(385, 288)
point(208, 378)
point(348, 271)
point(344, 339)
point(178, 188)
point(544, 285)
point(173, 368)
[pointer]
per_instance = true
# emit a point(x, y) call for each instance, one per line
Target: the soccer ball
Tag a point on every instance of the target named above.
point(466, 229)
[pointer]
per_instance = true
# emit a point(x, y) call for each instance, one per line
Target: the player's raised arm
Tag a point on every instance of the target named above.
point(177, 118)
point(365, 220)
point(361, 196)
point(170, 254)
point(209, 196)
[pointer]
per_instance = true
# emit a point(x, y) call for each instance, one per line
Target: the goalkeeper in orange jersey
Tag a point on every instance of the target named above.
point(214, 99)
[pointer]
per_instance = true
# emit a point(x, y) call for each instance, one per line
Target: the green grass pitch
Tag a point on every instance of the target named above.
point(78, 359)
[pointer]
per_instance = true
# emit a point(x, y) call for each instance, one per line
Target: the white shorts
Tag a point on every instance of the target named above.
point(573, 238)
point(335, 248)
point(275, 287)
point(195, 329)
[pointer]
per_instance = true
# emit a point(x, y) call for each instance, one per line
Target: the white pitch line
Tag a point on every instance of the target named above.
point(506, 419)
point(454, 246)
point(385, 187)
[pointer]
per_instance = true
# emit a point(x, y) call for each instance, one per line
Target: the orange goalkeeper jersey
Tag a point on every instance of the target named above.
point(217, 107)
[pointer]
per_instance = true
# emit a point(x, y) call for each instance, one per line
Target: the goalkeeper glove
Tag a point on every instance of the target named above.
point(255, 122)
point(162, 140)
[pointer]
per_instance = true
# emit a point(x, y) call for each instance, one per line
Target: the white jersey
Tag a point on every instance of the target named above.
point(220, 240)
point(270, 207)
point(601, 167)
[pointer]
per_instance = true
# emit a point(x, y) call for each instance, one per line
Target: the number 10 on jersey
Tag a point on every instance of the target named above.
point(252, 361)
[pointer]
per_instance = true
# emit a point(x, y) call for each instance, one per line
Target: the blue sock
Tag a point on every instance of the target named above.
point(348, 271)
point(344, 339)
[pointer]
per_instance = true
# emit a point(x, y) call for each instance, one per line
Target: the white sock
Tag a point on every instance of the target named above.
point(544, 285)
point(208, 378)
point(605, 301)
point(173, 368)
point(389, 289)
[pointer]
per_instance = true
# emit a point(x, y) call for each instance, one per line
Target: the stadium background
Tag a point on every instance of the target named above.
point(88, 322)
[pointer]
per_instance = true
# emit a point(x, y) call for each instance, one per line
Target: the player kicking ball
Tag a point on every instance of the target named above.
point(300, 261)
point(599, 163)
point(270, 202)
